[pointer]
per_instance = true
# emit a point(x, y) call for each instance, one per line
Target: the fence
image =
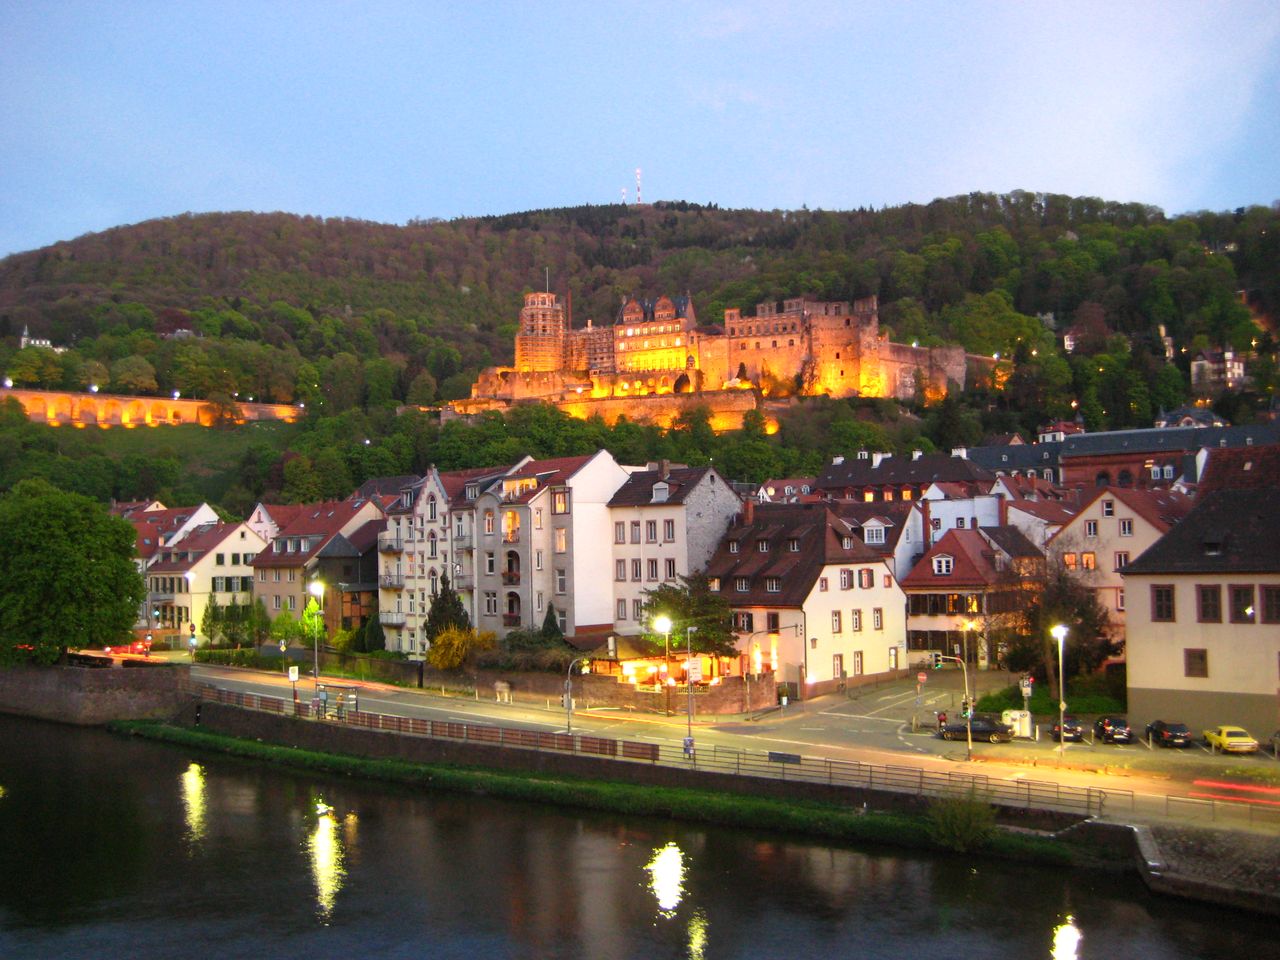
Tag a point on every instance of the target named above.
point(849, 774)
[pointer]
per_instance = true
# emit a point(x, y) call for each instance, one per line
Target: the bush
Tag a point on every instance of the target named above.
point(1084, 695)
point(961, 823)
point(246, 657)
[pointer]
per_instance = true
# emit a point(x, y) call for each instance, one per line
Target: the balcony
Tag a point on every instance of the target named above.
point(391, 618)
point(461, 541)
point(511, 619)
point(390, 543)
point(463, 581)
point(391, 581)
point(511, 536)
point(510, 578)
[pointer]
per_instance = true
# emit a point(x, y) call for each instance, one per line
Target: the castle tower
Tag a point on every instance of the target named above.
point(540, 344)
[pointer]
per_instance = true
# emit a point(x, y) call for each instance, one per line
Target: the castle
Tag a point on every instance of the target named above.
point(657, 348)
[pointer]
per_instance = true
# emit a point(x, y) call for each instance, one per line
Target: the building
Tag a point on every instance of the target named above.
point(965, 591)
point(811, 602)
point(657, 347)
point(1113, 526)
point(542, 539)
point(1204, 617)
point(667, 522)
point(873, 477)
point(894, 530)
point(211, 563)
point(1216, 371)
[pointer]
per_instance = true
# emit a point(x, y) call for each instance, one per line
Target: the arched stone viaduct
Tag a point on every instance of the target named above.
point(60, 408)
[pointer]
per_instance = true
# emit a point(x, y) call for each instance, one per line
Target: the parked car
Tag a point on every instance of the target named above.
point(1071, 730)
point(983, 728)
point(1230, 739)
point(1111, 729)
point(1168, 734)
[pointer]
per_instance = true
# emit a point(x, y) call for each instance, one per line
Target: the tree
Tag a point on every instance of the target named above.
point(453, 647)
point(447, 611)
point(690, 603)
point(68, 571)
point(211, 623)
point(1066, 600)
point(551, 625)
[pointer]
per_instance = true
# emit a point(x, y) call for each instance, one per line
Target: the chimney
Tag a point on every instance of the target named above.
point(876, 459)
point(664, 468)
point(917, 454)
point(961, 452)
point(837, 461)
point(748, 511)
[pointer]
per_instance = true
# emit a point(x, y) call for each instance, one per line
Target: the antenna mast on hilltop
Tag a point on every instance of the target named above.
point(548, 272)
point(638, 200)
point(624, 196)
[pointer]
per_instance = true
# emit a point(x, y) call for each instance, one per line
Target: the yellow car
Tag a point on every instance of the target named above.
point(1231, 740)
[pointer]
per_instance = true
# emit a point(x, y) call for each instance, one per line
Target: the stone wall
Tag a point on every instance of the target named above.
point(93, 696)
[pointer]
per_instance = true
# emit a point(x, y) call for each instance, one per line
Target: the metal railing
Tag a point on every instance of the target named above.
point(851, 774)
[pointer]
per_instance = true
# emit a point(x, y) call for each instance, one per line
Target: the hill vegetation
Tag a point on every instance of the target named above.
point(355, 318)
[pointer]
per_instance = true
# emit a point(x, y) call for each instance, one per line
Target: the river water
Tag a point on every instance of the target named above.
point(111, 847)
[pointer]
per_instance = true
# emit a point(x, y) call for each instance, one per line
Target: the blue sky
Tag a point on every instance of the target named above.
point(113, 113)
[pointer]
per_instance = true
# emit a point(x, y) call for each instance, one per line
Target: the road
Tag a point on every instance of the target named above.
point(871, 725)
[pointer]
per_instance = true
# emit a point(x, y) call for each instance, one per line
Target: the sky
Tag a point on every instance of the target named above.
point(115, 113)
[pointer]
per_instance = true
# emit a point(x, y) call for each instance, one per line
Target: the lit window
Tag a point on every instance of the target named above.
point(942, 566)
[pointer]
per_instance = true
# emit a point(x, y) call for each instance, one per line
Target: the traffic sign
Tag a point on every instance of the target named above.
point(922, 677)
point(694, 667)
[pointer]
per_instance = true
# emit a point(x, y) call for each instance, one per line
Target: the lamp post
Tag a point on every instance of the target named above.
point(688, 682)
point(568, 694)
point(1059, 633)
point(316, 589)
point(662, 623)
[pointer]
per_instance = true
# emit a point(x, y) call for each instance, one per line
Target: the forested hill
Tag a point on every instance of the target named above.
point(277, 298)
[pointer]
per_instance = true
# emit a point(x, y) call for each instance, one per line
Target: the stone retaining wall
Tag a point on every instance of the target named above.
point(92, 696)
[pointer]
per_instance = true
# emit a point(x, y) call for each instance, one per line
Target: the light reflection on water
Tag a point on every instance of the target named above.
point(238, 860)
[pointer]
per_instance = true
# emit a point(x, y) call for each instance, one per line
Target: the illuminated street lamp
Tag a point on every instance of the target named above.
point(662, 623)
point(688, 682)
point(316, 589)
point(1059, 633)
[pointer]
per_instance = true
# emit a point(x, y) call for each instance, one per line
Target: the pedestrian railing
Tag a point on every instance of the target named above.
point(791, 767)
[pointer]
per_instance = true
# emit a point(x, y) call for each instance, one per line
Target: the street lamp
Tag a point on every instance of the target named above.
point(568, 692)
point(1059, 633)
point(316, 589)
point(688, 682)
point(662, 623)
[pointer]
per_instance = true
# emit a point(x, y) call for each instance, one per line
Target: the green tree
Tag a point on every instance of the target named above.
point(212, 621)
point(447, 611)
point(455, 646)
point(551, 625)
point(691, 603)
point(69, 575)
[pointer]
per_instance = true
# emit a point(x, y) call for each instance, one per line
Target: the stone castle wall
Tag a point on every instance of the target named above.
point(92, 696)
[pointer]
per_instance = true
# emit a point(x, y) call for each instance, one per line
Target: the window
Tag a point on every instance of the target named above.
point(741, 584)
point(1195, 662)
point(959, 523)
point(1088, 561)
point(538, 601)
point(1270, 604)
point(762, 546)
point(262, 576)
point(846, 579)
point(1108, 508)
point(835, 621)
point(537, 559)
point(619, 531)
point(1119, 599)
point(822, 584)
point(1208, 603)
point(635, 569)
point(292, 603)
point(1069, 561)
point(942, 566)
point(651, 531)
point(855, 620)
point(561, 580)
point(562, 539)
point(622, 610)
point(873, 534)
point(733, 546)
point(772, 620)
point(877, 619)
point(743, 622)
point(670, 570)
point(1122, 559)
point(773, 585)
point(620, 570)
point(490, 603)
point(275, 602)
point(1126, 527)
point(1091, 528)
point(668, 530)
point(275, 575)
point(936, 523)
point(488, 521)
point(637, 610)
point(559, 501)
point(1162, 602)
point(866, 579)
point(652, 568)
point(1168, 472)
point(489, 566)
point(713, 584)
point(537, 518)
point(1242, 603)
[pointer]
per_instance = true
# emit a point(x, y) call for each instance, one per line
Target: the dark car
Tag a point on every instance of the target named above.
point(1071, 729)
point(1112, 730)
point(1168, 734)
point(983, 728)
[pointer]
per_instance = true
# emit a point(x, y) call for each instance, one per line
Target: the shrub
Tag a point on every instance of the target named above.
point(961, 823)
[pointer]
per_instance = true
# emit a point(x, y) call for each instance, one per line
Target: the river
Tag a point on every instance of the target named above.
point(111, 847)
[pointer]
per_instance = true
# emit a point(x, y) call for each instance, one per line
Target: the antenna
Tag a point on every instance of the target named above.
point(548, 271)
point(638, 185)
point(624, 196)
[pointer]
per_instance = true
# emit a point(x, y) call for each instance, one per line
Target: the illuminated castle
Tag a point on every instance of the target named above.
point(801, 346)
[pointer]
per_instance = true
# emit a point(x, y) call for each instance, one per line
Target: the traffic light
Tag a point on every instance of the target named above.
point(937, 661)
